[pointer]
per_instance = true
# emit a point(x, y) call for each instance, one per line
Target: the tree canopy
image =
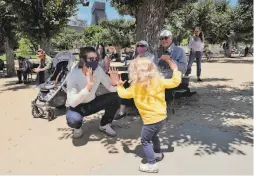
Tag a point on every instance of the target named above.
point(41, 20)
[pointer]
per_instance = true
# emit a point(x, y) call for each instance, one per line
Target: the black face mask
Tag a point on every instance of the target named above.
point(92, 64)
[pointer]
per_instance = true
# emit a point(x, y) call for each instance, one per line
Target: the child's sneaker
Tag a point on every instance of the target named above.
point(149, 168)
point(159, 156)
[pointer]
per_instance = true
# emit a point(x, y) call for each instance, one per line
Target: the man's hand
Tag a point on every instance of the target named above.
point(170, 62)
point(89, 79)
point(36, 70)
point(115, 77)
point(166, 58)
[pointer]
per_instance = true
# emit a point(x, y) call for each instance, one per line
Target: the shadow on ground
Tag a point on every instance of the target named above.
point(232, 61)
point(11, 85)
point(212, 120)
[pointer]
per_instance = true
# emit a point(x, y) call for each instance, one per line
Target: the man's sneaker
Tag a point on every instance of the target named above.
point(159, 156)
point(77, 133)
point(26, 82)
point(149, 168)
point(107, 129)
point(199, 80)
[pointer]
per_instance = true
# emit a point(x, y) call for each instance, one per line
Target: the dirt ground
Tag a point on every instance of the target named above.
point(211, 132)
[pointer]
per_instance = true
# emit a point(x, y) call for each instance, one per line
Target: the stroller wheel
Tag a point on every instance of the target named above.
point(50, 115)
point(37, 112)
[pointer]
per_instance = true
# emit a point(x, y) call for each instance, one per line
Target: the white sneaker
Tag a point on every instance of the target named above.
point(158, 156)
point(149, 168)
point(77, 133)
point(107, 129)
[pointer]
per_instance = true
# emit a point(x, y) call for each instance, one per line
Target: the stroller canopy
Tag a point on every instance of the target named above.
point(64, 56)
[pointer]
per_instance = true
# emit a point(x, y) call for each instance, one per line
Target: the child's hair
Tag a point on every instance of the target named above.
point(142, 71)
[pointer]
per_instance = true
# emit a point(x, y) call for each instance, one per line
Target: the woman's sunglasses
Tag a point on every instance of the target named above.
point(141, 46)
point(164, 38)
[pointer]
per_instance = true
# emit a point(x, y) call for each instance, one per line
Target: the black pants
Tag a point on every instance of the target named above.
point(21, 73)
point(40, 77)
point(126, 102)
point(108, 102)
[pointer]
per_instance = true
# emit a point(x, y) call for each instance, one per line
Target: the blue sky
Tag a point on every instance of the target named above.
point(85, 12)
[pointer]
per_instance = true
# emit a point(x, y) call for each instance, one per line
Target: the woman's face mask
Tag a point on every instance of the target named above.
point(141, 49)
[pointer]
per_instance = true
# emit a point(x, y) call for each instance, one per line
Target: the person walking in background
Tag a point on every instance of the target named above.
point(196, 46)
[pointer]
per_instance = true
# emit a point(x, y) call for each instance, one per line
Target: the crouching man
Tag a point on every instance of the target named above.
point(82, 83)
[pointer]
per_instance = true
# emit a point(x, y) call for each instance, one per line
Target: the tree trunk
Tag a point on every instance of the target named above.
point(9, 58)
point(45, 44)
point(150, 20)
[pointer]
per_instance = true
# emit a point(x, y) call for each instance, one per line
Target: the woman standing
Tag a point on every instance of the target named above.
point(104, 60)
point(196, 46)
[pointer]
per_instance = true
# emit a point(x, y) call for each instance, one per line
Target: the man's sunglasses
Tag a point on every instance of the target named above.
point(93, 58)
point(164, 38)
point(141, 46)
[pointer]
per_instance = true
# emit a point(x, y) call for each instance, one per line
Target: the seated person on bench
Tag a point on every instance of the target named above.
point(177, 54)
point(24, 69)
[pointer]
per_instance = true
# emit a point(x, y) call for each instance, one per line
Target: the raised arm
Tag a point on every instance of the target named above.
point(124, 93)
point(174, 81)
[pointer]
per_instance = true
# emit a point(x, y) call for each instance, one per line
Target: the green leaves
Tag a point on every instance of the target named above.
point(216, 19)
point(119, 32)
point(93, 35)
point(37, 19)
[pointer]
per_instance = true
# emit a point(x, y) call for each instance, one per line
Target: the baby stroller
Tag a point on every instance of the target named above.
point(53, 92)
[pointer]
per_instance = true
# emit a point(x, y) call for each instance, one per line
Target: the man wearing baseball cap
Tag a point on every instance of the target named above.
point(173, 52)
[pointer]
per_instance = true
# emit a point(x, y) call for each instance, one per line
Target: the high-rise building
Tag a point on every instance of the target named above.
point(98, 12)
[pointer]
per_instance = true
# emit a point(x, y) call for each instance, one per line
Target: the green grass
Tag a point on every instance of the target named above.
point(33, 56)
point(3, 57)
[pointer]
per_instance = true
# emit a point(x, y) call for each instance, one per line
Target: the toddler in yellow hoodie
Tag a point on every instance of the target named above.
point(148, 91)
